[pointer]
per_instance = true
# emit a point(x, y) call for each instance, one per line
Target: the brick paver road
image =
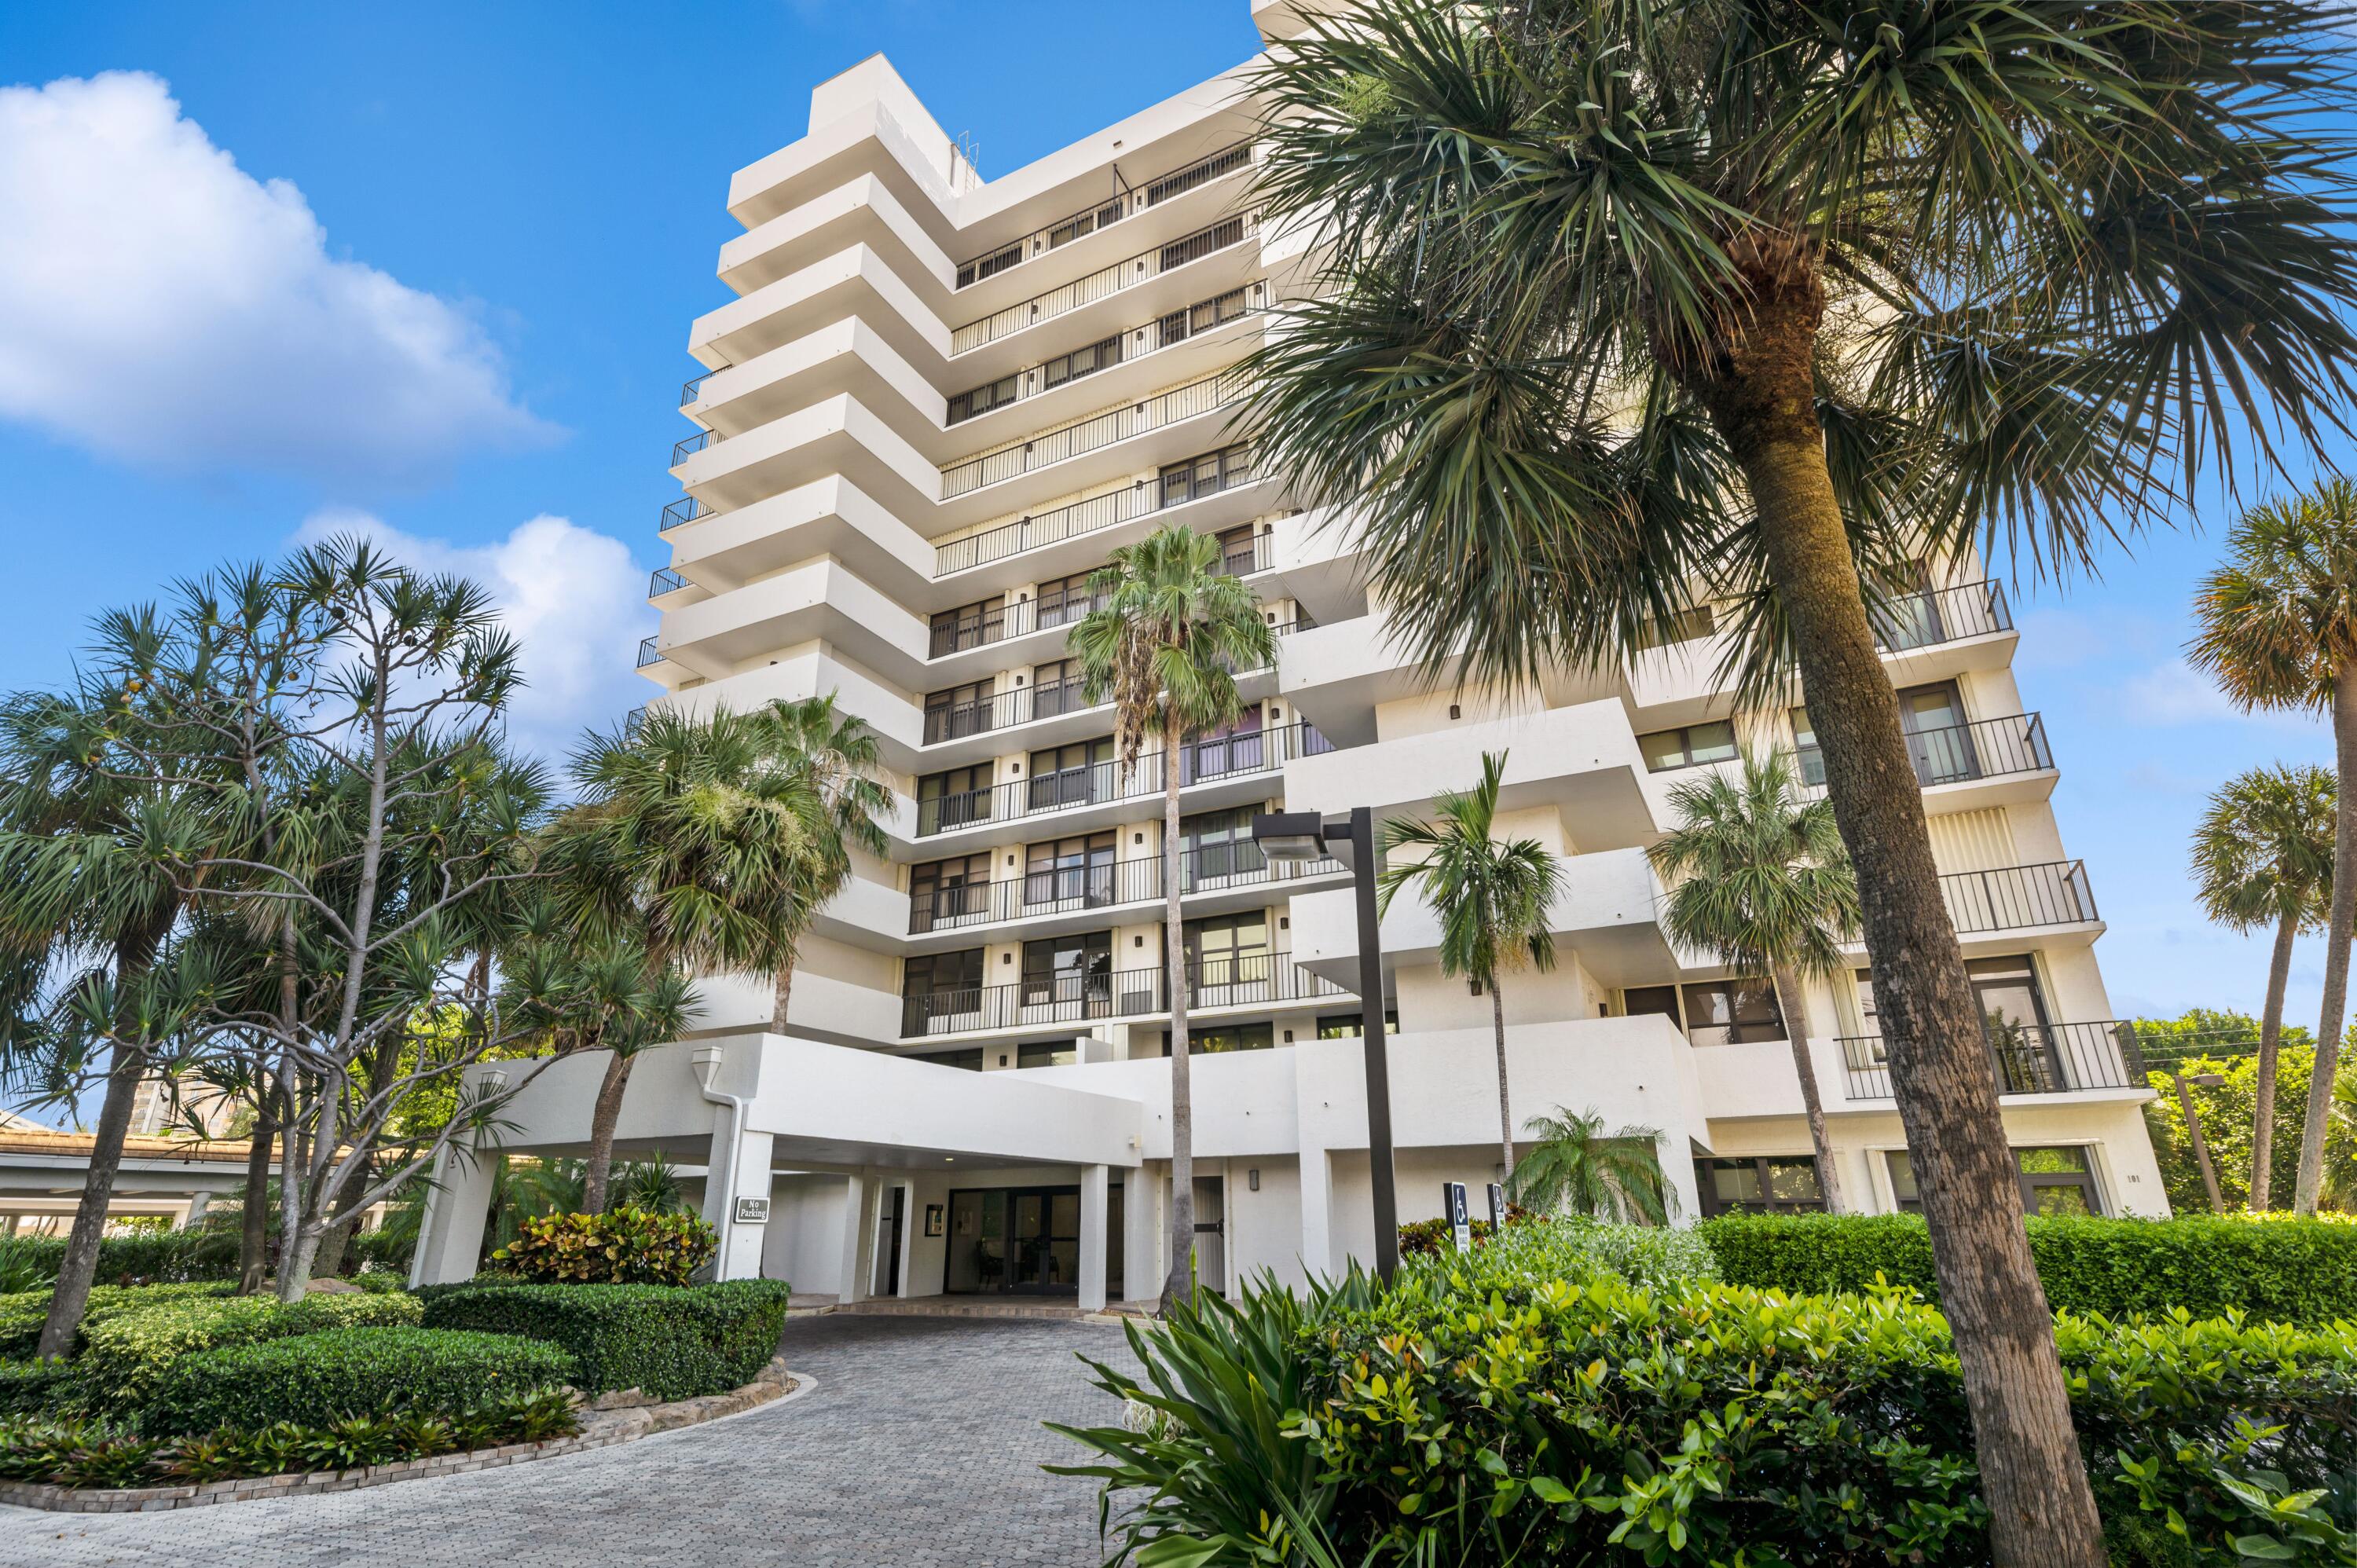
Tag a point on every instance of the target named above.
point(921, 1446)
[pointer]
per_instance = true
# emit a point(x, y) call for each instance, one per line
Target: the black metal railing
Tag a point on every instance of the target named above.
point(1066, 888)
point(1104, 214)
point(1038, 529)
point(1099, 783)
point(664, 580)
point(1245, 981)
point(958, 718)
point(980, 629)
point(2029, 1058)
point(2011, 897)
point(1068, 441)
point(648, 654)
point(691, 388)
point(685, 510)
point(1956, 753)
point(681, 450)
point(1125, 274)
point(1941, 615)
point(633, 722)
point(1174, 327)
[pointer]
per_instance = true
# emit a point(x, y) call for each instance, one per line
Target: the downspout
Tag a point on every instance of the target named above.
point(706, 1061)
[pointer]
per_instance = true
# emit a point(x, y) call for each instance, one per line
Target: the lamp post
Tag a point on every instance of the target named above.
point(2193, 1132)
point(1351, 839)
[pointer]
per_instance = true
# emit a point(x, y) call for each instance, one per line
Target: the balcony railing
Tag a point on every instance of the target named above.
point(693, 387)
point(1065, 889)
point(689, 447)
point(1167, 330)
point(1104, 214)
point(1941, 615)
point(2029, 1058)
point(1002, 623)
point(1101, 783)
point(1245, 981)
point(685, 510)
point(1957, 754)
point(1125, 274)
point(633, 722)
point(648, 654)
point(1196, 398)
point(664, 580)
point(2011, 897)
point(956, 720)
point(1114, 508)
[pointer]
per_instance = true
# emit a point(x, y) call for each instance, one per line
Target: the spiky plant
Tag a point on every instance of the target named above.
point(1575, 1167)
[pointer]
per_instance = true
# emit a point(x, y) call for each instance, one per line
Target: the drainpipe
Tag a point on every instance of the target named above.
point(706, 1060)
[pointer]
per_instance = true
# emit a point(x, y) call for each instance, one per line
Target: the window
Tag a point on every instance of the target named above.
point(960, 711)
point(935, 986)
point(968, 1060)
point(2012, 1004)
point(1232, 748)
point(1732, 1012)
point(948, 892)
point(1217, 845)
point(1084, 223)
point(1180, 325)
point(953, 799)
point(1768, 1185)
point(1062, 970)
point(1688, 746)
point(1066, 600)
point(1236, 551)
point(1072, 774)
point(1056, 689)
point(968, 626)
point(982, 399)
point(1228, 950)
point(1081, 362)
point(1685, 625)
point(1639, 1001)
point(1228, 1038)
point(1070, 871)
point(1207, 475)
point(2055, 1179)
point(1352, 1025)
point(1048, 1053)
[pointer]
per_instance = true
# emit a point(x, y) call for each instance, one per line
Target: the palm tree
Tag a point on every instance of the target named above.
point(1492, 898)
point(1165, 644)
point(1622, 307)
point(830, 761)
point(1760, 879)
point(690, 847)
point(2263, 855)
point(1575, 1166)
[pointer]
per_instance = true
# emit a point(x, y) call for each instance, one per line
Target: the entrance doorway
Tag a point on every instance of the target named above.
point(1211, 1235)
point(1023, 1240)
point(886, 1281)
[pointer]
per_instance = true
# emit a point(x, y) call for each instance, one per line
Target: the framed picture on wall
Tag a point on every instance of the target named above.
point(932, 1220)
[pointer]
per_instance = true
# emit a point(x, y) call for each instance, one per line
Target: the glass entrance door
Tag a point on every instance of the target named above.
point(1024, 1239)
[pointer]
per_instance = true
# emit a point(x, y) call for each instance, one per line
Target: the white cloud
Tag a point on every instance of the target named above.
point(571, 597)
point(2176, 693)
point(158, 304)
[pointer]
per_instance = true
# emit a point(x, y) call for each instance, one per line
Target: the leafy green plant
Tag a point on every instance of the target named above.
point(315, 1379)
point(628, 1246)
point(126, 1353)
point(674, 1343)
point(21, 1316)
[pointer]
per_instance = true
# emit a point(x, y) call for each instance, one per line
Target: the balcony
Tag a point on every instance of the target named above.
point(693, 387)
point(1069, 441)
point(2017, 898)
point(1960, 753)
point(1233, 468)
point(685, 510)
point(1245, 981)
point(648, 654)
point(688, 446)
point(1164, 331)
point(1215, 868)
point(2029, 1058)
point(1105, 282)
point(947, 720)
point(1005, 623)
point(1103, 783)
point(1104, 214)
point(1942, 615)
point(664, 580)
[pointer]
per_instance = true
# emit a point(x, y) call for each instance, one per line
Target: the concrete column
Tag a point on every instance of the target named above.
point(197, 1204)
point(1141, 1241)
point(731, 1174)
point(1676, 1154)
point(1096, 1191)
point(853, 1283)
point(1316, 1213)
point(457, 1201)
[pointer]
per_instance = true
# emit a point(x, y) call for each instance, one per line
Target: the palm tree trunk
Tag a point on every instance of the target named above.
point(1761, 396)
point(1796, 1028)
point(783, 995)
point(607, 1111)
point(1179, 1284)
point(253, 1228)
point(1505, 1106)
point(80, 1265)
point(2263, 1130)
point(2336, 949)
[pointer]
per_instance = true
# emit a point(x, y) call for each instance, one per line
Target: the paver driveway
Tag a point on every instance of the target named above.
point(920, 1446)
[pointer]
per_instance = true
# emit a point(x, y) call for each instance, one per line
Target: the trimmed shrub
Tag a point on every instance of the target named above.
point(141, 1257)
point(31, 1387)
point(1570, 1247)
point(125, 1355)
point(23, 1315)
point(315, 1380)
point(672, 1342)
point(627, 1246)
point(2280, 1268)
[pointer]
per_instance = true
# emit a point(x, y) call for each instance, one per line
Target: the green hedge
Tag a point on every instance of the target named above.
point(315, 1379)
point(674, 1342)
point(150, 1257)
point(126, 1354)
point(2283, 1269)
point(31, 1387)
point(1548, 1420)
point(23, 1315)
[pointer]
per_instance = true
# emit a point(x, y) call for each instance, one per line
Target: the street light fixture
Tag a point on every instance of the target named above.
point(1351, 839)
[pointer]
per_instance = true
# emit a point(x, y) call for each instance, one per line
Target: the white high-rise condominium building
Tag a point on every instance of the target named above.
point(934, 405)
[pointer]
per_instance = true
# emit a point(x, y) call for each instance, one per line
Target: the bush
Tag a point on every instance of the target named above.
point(2281, 1268)
point(23, 1315)
point(144, 1257)
point(315, 1380)
point(30, 1388)
point(123, 1356)
point(1551, 1421)
point(672, 1342)
point(628, 1246)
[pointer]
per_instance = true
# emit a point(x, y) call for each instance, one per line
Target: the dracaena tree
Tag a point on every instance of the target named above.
point(1628, 302)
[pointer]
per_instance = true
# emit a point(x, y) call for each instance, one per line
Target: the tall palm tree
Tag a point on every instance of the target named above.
point(2278, 629)
point(830, 761)
point(1624, 305)
point(1165, 643)
point(1575, 1167)
point(690, 845)
point(1491, 898)
point(1760, 878)
point(2263, 855)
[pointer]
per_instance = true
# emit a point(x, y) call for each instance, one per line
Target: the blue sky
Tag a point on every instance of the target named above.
point(430, 268)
